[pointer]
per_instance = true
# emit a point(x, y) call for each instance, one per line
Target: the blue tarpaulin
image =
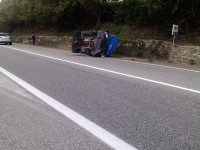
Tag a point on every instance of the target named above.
point(110, 44)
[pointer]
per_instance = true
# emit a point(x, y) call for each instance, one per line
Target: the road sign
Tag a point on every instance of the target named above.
point(174, 33)
point(175, 29)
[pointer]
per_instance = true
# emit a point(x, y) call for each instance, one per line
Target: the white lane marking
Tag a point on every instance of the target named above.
point(127, 75)
point(132, 61)
point(91, 127)
point(159, 65)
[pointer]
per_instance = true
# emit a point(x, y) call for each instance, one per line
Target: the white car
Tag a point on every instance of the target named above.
point(5, 38)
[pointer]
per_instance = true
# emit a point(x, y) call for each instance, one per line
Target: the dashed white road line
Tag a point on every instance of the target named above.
point(114, 72)
point(91, 127)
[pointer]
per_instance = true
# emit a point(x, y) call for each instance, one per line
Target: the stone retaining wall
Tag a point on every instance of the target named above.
point(141, 48)
point(158, 50)
point(53, 41)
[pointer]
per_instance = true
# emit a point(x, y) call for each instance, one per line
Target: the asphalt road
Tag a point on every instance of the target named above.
point(28, 123)
point(149, 106)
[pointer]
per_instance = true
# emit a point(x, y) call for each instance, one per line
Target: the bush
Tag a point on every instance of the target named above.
point(118, 30)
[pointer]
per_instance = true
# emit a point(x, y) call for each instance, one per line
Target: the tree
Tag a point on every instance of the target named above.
point(96, 8)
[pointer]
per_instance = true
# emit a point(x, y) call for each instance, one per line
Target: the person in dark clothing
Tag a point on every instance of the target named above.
point(33, 37)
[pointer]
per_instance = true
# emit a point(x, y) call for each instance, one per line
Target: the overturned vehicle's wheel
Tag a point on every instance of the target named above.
point(77, 33)
point(76, 50)
point(76, 42)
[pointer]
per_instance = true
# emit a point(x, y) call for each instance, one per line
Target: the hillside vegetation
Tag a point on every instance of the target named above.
point(127, 18)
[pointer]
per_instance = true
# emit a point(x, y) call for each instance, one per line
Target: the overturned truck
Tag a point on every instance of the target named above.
point(94, 43)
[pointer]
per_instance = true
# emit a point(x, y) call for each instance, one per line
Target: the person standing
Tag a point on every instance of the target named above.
point(33, 37)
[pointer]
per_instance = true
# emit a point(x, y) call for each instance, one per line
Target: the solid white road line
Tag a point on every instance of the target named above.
point(131, 61)
point(93, 128)
point(159, 65)
point(114, 72)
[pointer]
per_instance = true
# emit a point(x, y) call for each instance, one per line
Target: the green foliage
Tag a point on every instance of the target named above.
point(130, 36)
point(69, 33)
point(64, 15)
point(109, 26)
point(160, 13)
point(21, 34)
point(117, 31)
point(138, 36)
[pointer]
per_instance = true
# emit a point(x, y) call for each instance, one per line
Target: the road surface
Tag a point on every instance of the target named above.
point(130, 104)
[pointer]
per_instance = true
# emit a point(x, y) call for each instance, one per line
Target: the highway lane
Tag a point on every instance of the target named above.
point(189, 79)
point(144, 114)
point(28, 123)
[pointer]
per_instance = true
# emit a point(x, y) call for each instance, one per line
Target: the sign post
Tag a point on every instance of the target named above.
point(174, 33)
